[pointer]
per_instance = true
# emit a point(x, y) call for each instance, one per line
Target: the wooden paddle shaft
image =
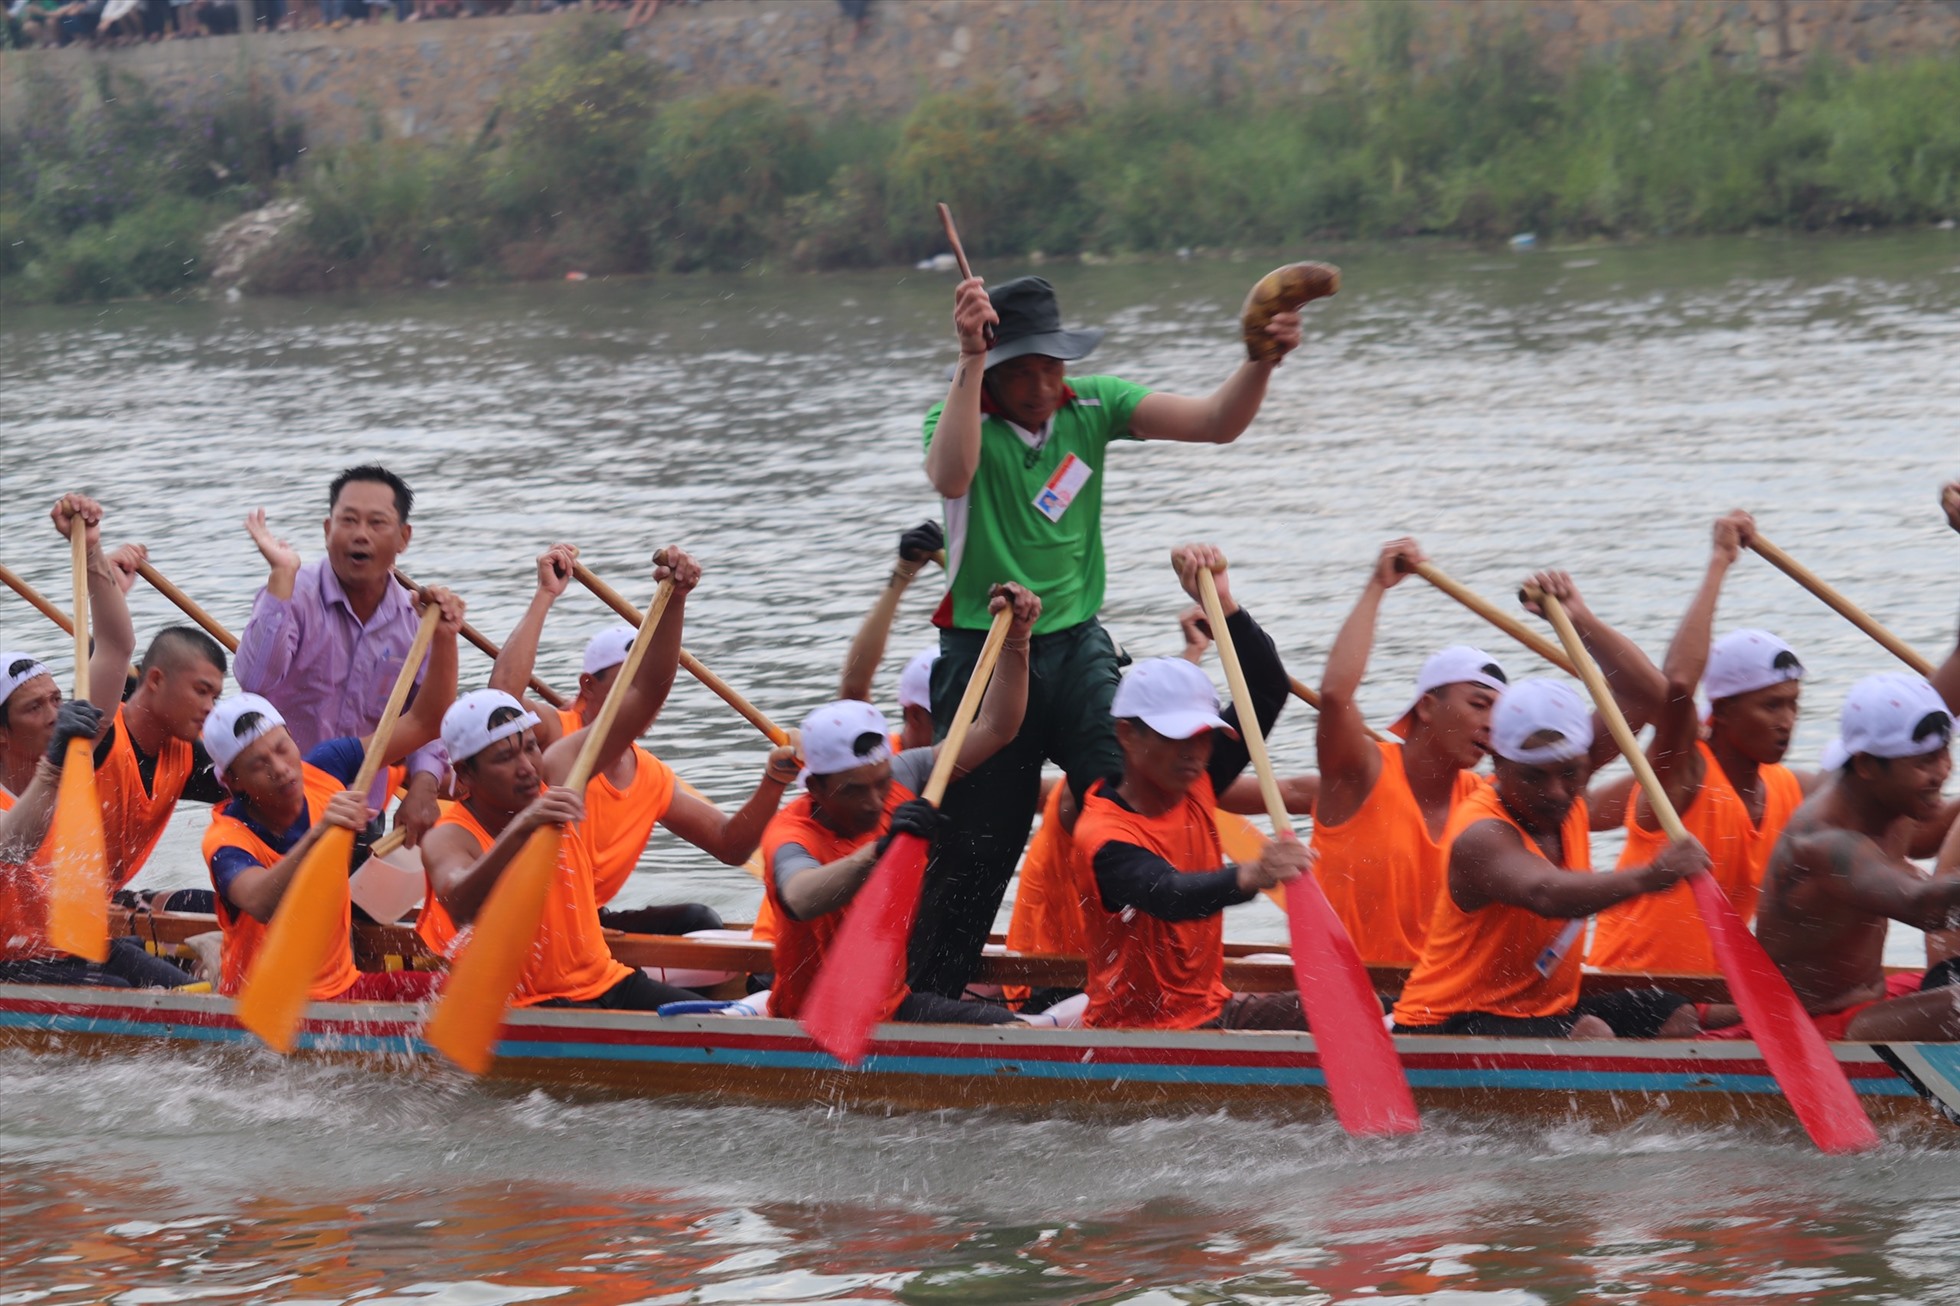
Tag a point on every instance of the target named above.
point(595, 734)
point(948, 755)
point(613, 599)
point(36, 601)
point(953, 239)
point(377, 749)
point(1844, 607)
point(1497, 617)
point(1255, 742)
point(1306, 694)
point(490, 650)
point(1616, 722)
point(78, 550)
point(190, 608)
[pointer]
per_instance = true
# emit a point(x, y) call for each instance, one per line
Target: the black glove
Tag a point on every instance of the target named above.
point(921, 542)
point(915, 817)
point(76, 719)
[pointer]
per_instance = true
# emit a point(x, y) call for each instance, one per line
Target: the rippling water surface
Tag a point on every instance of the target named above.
point(1591, 409)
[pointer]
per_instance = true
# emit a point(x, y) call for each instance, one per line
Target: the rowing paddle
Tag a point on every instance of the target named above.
point(864, 961)
point(1496, 616)
point(1844, 607)
point(1798, 1057)
point(189, 606)
point(613, 599)
point(470, 1010)
point(35, 600)
point(1364, 1076)
point(78, 861)
point(306, 925)
point(966, 274)
point(489, 649)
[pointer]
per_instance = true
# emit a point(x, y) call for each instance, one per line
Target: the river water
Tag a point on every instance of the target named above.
point(1587, 408)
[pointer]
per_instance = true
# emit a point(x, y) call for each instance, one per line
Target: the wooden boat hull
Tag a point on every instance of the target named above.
point(1046, 1071)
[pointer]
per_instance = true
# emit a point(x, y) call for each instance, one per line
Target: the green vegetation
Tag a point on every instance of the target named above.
point(587, 164)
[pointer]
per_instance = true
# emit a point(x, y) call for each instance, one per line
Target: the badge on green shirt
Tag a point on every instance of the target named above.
point(1033, 514)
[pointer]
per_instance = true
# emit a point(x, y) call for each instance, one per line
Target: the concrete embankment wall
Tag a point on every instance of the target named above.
point(442, 78)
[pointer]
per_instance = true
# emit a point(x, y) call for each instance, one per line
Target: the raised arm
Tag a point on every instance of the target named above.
point(868, 647)
point(1222, 416)
point(648, 691)
point(1637, 684)
point(1350, 762)
point(732, 838)
point(1006, 699)
point(256, 890)
point(954, 455)
point(1489, 863)
point(519, 656)
point(113, 635)
point(271, 635)
point(1677, 725)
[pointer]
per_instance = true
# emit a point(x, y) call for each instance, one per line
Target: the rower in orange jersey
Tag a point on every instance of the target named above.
point(1158, 877)
point(510, 787)
point(638, 790)
point(1723, 774)
point(284, 802)
point(1499, 958)
point(821, 848)
point(1384, 804)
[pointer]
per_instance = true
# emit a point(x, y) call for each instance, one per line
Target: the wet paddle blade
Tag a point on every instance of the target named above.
point(867, 958)
point(1805, 1070)
point(304, 930)
point(470, 1010)
point(1364, 1074)
point(77, 861)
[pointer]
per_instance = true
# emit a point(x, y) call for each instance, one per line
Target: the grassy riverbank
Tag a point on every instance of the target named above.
point(587, 165)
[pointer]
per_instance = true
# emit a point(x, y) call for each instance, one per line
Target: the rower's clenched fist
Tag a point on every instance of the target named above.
point(673, 563)
point(1188, 560)
point(449, 605)
point(555, 806)
point(70, 506)
point(1399, 558)
point(1734, 532)
point(1027, 609)
point(128, 560)
point(1950, 503)
point(1559, 585)
point(1675, 863)
point(1282, 861)
point(555, 566)
point(973, 315)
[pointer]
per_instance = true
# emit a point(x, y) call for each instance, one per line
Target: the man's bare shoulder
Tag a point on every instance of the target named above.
point(1812, 845)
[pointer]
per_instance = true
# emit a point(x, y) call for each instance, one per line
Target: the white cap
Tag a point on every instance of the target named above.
point(1172, 696)
point(226, 735)
point(466, 728)
point(10, 679)
point(1896, 714)
point(1459, 664)
point(832, 735)
point(1744, 661)
point(1533, 706)
point(608, 648)
point(915, 682)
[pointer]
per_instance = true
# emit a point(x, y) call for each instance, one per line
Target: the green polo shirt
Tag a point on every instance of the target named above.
point(1034, 517)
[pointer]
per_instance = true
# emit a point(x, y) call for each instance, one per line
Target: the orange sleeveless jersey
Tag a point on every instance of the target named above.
point(1143, 972)
point(570, 961)
point(23, 905)
point(1485, 960)
point(800, 945)
point(620, 821)
point(244, 934)
point(1049, 907)
point(1380, 868)
point(1662, 932)
point(133, 819)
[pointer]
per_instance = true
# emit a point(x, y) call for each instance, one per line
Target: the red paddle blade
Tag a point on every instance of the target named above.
point(867, 957)
point(470, 1010)
point(1805, 1070)
point(78, 864)
point(1364, 1075)
point(305, 928)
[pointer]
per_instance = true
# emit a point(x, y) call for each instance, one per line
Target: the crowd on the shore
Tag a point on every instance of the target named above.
point(1477, 885)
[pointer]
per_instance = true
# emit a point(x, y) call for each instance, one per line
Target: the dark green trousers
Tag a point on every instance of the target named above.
point(1072, 676)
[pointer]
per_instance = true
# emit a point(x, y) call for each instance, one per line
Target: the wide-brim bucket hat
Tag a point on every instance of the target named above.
point(1031, 323)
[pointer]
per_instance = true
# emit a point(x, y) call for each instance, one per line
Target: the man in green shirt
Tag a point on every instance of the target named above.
point(1017, 450)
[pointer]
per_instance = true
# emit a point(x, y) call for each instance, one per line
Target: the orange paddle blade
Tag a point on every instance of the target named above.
point(1357, 1056)
point(1805, 1070)
point(470, 1011)
point(867, 957)
point(78, 863)
point(305, 928)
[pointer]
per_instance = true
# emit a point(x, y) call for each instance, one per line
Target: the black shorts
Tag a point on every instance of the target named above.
point(637, 992)
point(1630, 1013)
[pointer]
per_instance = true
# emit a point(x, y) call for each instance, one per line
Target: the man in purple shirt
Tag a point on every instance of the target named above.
point(326, 640)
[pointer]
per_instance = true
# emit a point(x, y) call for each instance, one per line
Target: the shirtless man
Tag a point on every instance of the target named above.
point(638, 790)
point(1833, 886)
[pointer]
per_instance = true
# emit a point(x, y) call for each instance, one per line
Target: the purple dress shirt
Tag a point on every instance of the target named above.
point(328, 674)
